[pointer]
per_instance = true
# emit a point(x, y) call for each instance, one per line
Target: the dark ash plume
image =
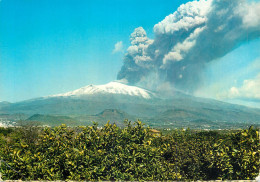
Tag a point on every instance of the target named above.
point(197, 33)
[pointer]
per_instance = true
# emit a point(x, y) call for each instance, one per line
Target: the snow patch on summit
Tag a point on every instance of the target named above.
point(109, 88)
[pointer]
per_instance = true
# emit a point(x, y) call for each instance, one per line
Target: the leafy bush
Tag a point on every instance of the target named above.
point(131, 153)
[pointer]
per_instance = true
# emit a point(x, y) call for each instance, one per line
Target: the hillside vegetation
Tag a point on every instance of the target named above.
point(134, 152)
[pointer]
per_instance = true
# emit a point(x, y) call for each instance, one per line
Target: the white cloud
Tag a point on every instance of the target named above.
point(176, 56)
point(226, 87)
point(142, 59)
point(139, 45)
point(250, 89)
point(186, 17)
point(138, 36)
point(118, 47)
point(179, 50)
point(250, 14)
point(234, 92)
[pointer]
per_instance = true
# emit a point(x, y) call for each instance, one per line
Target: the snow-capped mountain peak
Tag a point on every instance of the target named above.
point(109, 88)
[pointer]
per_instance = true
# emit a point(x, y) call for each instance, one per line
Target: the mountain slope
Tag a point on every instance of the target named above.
point(110, 88)
point(112, 115)
point(4, 104)
point(116, 99)
point(52, 120)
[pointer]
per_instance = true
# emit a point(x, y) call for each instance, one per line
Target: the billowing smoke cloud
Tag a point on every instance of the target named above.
point(197, 33)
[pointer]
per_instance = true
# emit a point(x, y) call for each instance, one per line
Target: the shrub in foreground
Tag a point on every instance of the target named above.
point(131, 153)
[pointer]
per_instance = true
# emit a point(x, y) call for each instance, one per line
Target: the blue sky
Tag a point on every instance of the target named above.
point(50, 47)
point(241, 64)
point(54, 46)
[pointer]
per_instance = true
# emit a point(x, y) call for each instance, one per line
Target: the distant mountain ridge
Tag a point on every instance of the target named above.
point(49, 119)
point(117, 101)
point(4, 103)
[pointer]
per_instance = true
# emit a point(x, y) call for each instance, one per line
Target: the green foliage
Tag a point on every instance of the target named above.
point(131, 153)
point(237, 157)
point(5, 131)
